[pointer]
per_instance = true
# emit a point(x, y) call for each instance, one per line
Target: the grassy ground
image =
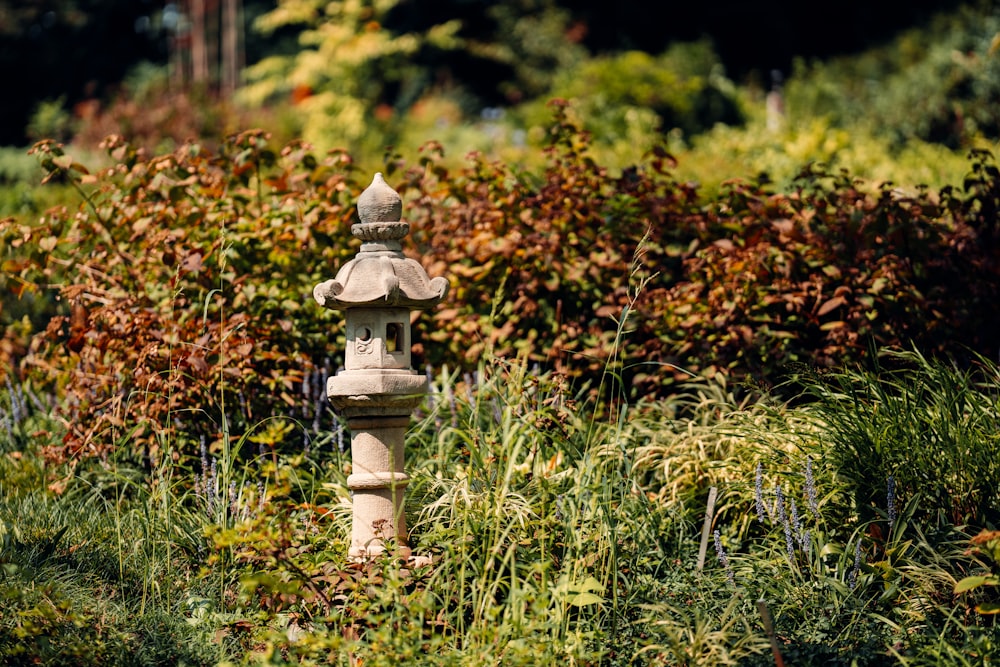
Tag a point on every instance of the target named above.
point(562, 532)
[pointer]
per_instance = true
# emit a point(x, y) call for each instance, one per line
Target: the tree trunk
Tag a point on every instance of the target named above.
point(199, 46)
point(231, 56)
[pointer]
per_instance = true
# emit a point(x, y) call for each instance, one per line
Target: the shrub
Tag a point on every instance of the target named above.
point(940, 83)
point(813, 277)
point(177, 287)
point(633, 95)
point(748, 283)
point(348, 63)
point(174, 291)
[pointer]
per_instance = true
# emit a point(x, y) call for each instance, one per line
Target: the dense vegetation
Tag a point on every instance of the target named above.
point(193, 269)
point(661, 294)
point(556, 535)
point(70, 58)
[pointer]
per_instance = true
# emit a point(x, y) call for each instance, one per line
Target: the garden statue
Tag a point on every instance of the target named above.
point(378, 389)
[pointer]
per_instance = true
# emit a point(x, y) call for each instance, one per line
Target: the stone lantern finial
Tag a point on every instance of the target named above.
point(379, 202)
point(378, 388)
point(381, 273)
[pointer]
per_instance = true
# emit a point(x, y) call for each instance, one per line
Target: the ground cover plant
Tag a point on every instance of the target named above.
point(558, 535)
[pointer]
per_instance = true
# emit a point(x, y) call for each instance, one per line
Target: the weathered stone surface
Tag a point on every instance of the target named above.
point(381, 278)
point(380, 273)
point(386, 386)
point(378, 389)
point(379, 202)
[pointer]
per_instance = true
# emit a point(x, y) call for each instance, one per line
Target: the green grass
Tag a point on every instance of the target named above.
point(559, 535)
point(90, 578)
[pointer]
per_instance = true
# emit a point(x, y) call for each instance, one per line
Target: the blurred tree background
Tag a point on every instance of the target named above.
point(66, 60)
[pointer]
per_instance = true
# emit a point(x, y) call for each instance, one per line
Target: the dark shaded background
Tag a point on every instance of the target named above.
point(81, 49)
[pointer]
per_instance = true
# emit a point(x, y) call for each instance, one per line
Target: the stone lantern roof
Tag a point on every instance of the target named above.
point(380, 275)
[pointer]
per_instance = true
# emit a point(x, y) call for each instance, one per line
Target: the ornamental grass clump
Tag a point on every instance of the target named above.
point(916, 428)
point(871, 581)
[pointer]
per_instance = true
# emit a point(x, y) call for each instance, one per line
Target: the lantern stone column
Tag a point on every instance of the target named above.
point(378, 389)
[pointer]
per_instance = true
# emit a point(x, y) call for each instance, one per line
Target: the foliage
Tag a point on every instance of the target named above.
point(72, 591)
point(848, 583)
point(683, 89)
point(747, 283)
point(536, 41)
point(347, 60)
point(831, 269)
point(986, 543)
point(155, 115)
point(943, 89)
point(926, 429)
point(572, 233)
point(174, 291)
point(50, 120)
point(549, 534)
point(173, 486)
point(517, 497)
point(201, 260)
point(21, 194)
point(775, 153)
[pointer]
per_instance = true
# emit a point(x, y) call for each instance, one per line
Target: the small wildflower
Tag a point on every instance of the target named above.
point(783, 517)
point(318, 411)
point(811, 489)
point(204, 467)
point(36, 400)
point(16, 405)
point(339, 429)
point(796, 520)
point(852, 577)
point(758, 498)
point(890, 496)
point(801, 534)
point(212, 490)
point(723, 557)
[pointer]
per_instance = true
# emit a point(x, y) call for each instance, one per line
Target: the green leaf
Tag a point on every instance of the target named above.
point(584, 593)
point(988, 608)
point(584, 599)
point(969, 583)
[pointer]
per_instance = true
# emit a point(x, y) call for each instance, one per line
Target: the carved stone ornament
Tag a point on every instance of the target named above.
point(380, 273)
point(378, 388)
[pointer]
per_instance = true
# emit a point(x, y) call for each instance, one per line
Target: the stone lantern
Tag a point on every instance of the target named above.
point(378, 390)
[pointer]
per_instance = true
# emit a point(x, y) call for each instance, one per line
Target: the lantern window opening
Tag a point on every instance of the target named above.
point(394, 337)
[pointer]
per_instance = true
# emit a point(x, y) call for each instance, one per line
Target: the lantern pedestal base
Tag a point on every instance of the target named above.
point(378, 405)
